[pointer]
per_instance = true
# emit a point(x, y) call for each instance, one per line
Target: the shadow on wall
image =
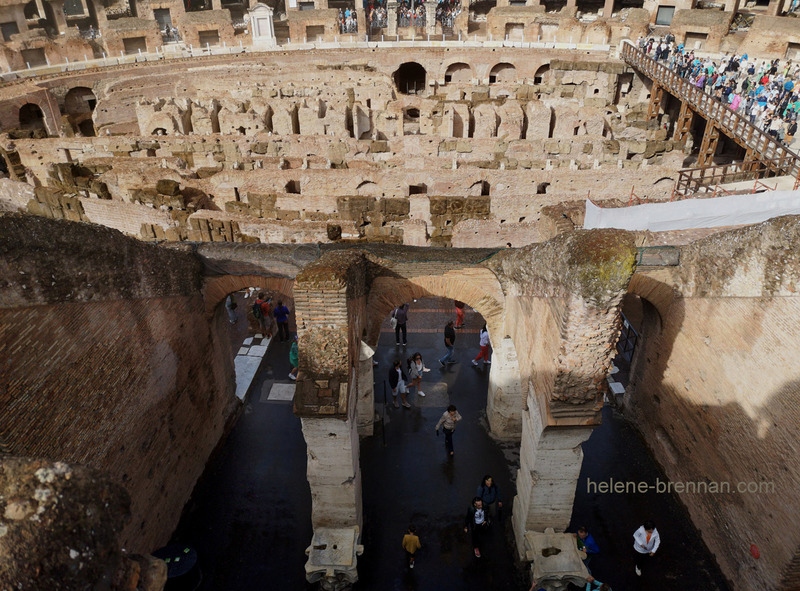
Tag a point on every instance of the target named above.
point(695, 398)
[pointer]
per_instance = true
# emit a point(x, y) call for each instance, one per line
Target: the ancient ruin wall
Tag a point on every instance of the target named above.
point(108, 361)
point(716, 392)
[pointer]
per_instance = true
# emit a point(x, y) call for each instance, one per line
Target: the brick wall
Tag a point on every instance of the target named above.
point(109, 361)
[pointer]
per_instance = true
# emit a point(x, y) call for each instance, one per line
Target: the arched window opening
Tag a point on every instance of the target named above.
point(542, 74)
point(31, 117)
point(458, 73)
point(410, 78)
point(503, 73)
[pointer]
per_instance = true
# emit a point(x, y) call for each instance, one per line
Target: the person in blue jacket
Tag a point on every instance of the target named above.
point(489, 493)
point(593, 584)
point(587, 544)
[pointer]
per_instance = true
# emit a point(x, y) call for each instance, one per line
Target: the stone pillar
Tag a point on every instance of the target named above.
point(731, 5)
point(430, 18)
point(58, 14)
point(567, 352)
point(391, 18)
point(550, 463)
point(461, 24)
point(573, 4)
point(330, 301)
point(19, 17)
point(333, 472)
point(608, 8)
point(99, 12)
point(361, 19)
point(775, 7)
point(216, 4)
point(365, 405)
point(505, 400)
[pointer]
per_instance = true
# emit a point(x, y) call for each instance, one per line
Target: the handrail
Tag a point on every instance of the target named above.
point(695, 180)
point(732, 123)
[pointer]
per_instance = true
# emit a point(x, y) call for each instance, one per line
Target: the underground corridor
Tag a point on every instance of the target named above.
point(249, 518)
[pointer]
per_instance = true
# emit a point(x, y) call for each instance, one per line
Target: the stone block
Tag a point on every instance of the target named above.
point(168, 187)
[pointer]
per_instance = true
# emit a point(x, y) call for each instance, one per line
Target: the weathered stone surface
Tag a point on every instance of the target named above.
point(168, 187)
point(59, 525)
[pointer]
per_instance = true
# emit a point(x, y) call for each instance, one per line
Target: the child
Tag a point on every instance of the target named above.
point(411, 545)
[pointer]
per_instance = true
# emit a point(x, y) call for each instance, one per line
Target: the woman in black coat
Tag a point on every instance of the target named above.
point(398, 380)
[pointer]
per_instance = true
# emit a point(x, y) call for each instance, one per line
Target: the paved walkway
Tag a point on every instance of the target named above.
point(249, 518)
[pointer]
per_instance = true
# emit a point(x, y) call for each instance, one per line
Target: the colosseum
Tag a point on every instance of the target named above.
point(610, 188)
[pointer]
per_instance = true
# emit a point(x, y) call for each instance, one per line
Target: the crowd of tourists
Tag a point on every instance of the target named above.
point(447, 11)
point(376, 14)
point(767, 92)
point(411, 13)
point(348, 21)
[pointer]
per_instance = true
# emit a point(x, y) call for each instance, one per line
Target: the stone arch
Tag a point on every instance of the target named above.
point(503, 73)
point(216, 289)
point(79, 100)
point(542, 74)
point(31, 117)
point(79, 104)
point(368, 189)
point(31, 11)
point(479, 188)
point(658, 293)
point(479, 288)
point(458, 73)
point(410, 78)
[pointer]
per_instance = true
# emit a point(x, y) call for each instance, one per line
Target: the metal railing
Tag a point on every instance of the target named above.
point(758, 143)
point(628, 338)
point(698, 180)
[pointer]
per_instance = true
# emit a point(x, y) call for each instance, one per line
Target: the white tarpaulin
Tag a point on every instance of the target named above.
point(731, 210)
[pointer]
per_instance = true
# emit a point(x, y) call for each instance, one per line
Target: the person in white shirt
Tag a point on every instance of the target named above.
point(484, 343)
point(645, 543)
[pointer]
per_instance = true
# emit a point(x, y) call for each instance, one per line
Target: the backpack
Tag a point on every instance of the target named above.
point(257, 311)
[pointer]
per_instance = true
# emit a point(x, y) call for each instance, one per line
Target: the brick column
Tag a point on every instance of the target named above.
point(430, 18)
point(391, 18)
point(329, 303)
point(565, 307)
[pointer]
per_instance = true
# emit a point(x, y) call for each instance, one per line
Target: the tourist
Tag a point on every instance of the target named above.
point(448, 424)
point(586, 543)
point(459, 314)
point(294, 359)
point(400, 316)
point(397, 381)
point(230, 306)
point(593, 584)
point(262, 314)
point(645, 543)
point(449, 344)
point(489, 493)
point(411, 544)
point(416, 367)
point(484, 344)
point(477, 522)
point(281, 313)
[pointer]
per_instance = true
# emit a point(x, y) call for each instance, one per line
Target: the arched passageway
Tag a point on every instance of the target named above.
point(31, 117)
point(79, 104)
point(410, 78)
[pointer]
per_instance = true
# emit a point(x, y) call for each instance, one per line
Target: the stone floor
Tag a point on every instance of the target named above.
point(249, 517)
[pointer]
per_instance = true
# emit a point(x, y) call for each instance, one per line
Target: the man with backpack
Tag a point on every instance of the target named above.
point(262, 313)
